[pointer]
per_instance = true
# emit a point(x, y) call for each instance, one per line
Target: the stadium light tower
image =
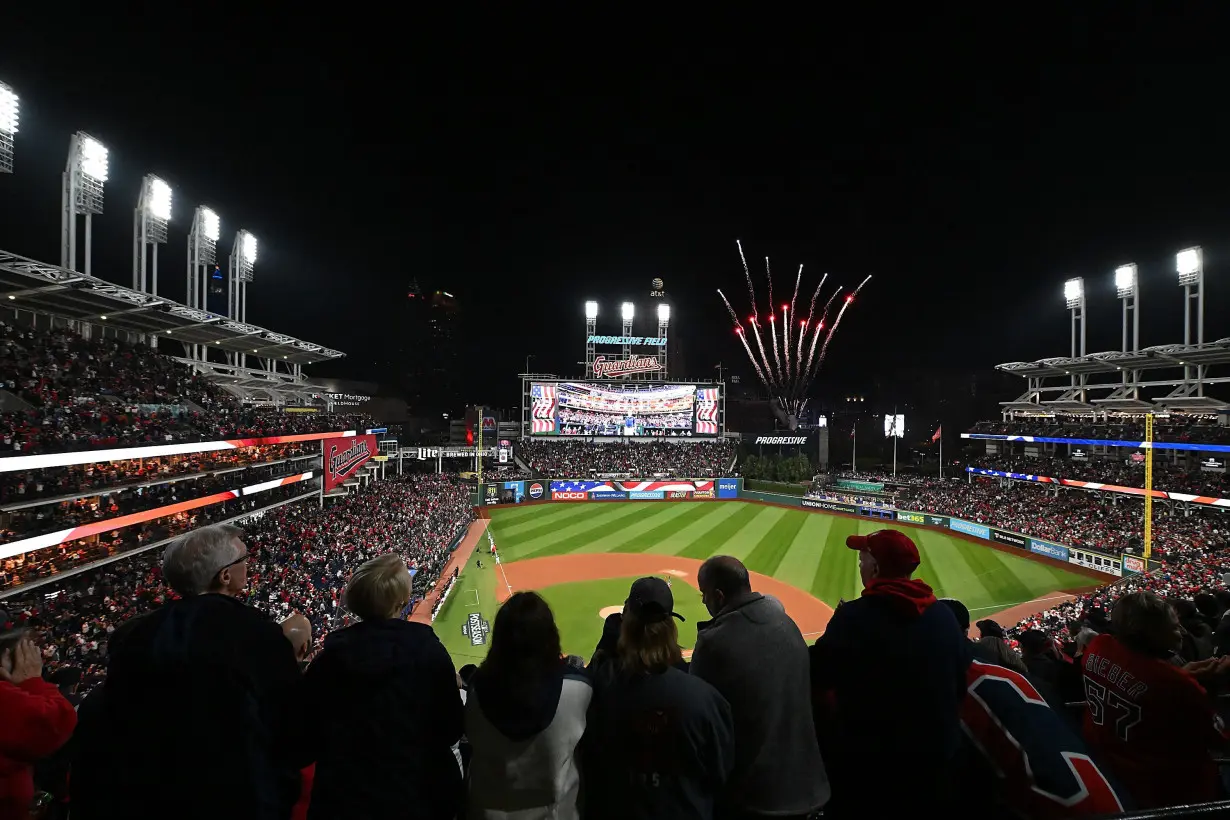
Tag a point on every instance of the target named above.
point(1074, 296)
point(1189, 262)
point(664, 320)
point(8, 126)
point(82, 194)
point(591, 323)
point(1127, 284)
point(243, 257)
point(149, 227)
point(202, 252)
point(627, 310)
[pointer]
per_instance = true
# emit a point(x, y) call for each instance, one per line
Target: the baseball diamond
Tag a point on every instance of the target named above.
point(583, 556)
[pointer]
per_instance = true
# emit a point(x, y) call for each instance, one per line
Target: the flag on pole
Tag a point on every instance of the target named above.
point(852, 429)
point(938, 433)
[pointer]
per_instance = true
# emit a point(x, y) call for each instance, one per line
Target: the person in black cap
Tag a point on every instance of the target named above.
point(660, 742)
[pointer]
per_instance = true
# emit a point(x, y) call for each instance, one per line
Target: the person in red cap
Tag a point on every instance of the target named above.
point(890, 672)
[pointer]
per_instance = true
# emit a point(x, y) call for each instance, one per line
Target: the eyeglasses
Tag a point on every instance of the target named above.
point(238, 560)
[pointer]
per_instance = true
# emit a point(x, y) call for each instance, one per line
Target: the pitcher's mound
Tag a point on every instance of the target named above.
point(608, 611)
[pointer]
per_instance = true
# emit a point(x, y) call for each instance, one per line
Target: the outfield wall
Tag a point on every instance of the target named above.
point(727, 489)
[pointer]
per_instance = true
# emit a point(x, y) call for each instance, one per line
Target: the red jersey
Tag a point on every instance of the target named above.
point(1152, 723)
point(1044, 768)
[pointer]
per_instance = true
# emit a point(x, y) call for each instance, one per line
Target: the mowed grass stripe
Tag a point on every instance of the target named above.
point(609, 541)
point(715, 514)
point(572, 539)
point(768, 553)
point(576, 515)
point(837, 573)
point(694, 511)
point(991, 576)
point(798, 567)
point(765, 519)
point(545, 520)
point(713, 540)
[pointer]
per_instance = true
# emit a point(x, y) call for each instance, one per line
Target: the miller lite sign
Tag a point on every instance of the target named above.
point(344, 456)
point(605, 368)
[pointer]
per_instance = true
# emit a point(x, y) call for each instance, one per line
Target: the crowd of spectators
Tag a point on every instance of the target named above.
point(1077, 518)
point(580, 458)
point(97, 393)
point(57, 482)
point(49, 517)
point(1192, 428)
point(32, 566)
point(301, 557)
point(1123, 472)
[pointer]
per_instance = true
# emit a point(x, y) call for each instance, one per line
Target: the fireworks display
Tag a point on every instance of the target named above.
point(788, 373)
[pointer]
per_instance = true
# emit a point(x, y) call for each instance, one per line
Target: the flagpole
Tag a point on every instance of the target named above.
point(895, 437)
point(854, 457)
point(941, 452)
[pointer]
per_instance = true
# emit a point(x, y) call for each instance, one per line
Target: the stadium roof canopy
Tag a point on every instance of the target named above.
point(1158, 357)
point(29, 285)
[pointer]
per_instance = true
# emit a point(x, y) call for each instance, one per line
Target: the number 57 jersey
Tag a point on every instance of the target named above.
point(1151, 724)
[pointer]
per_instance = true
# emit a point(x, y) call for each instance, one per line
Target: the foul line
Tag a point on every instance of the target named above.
point(505, 574)
point(1029, 601)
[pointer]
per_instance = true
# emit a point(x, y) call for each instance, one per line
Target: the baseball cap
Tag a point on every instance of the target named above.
point(650, 599)
point(893, 550)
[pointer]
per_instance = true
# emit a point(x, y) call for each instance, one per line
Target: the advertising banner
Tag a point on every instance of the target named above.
point(344, 456)
point(976, 530)
point(673, 487)
point(607, 495)
point(569, 495)
point(518, 490)
point(535, 490)
point(1049, 550)
point(831, 506)
point(728, 488)
point(865, 486)
point(647, 495)
point(1133, 564)
point(491, 493)
point(1095, 561)
point(1009, 538)
point(912, 517)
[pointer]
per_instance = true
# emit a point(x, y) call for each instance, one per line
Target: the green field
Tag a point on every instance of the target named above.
point(803, 548)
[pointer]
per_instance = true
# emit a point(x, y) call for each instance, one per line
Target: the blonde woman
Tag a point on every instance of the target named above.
point(382, 710)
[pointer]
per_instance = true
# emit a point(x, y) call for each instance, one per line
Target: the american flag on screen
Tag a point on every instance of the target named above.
point(707, 411)
point(582, 486)
point(678, 484)
point(542, 408)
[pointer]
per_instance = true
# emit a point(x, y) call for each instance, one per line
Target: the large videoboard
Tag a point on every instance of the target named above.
point(632, 409)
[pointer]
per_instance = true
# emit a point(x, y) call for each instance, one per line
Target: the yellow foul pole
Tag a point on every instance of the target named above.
point(1148, 485)
point(478, 451)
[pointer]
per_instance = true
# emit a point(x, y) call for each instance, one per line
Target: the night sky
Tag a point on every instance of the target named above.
point(970, 164)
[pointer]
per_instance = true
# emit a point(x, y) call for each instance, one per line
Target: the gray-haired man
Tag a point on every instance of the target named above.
point(196, 713)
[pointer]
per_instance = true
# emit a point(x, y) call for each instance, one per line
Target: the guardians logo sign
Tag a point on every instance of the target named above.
point(343, 456)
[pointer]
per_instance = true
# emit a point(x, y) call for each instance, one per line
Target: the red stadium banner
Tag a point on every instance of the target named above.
point(344, 456)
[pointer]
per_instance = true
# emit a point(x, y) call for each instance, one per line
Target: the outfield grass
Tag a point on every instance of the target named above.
point(802, 548)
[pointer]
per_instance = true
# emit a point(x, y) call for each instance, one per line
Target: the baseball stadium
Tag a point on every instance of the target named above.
point(230, 590)
point(583, 556)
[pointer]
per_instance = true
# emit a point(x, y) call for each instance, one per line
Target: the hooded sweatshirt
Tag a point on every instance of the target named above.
point(522, 764)
point(894, 667)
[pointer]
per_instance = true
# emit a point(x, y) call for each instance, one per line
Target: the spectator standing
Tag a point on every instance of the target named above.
point(525, 714)
point(662, 740)
point(755, 656)
point(894, 666)
point(1152, 721)
point(35, 720)
point(399, 740)
point(193, 718)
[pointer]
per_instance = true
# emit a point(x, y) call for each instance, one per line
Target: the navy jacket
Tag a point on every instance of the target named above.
point(381, 714)
point(891, 667)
